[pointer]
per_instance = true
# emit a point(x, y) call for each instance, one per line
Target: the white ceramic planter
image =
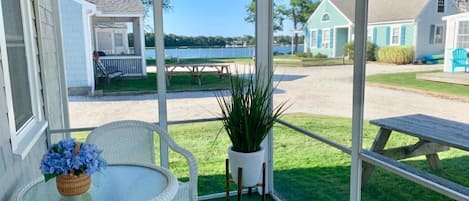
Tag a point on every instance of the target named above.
point(251, 164)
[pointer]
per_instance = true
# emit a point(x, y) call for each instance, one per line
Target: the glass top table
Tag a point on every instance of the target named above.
point(123, 181)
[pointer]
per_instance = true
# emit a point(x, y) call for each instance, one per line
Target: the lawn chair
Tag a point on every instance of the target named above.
point(133, 141)
point(102, 72)
point(459, 59)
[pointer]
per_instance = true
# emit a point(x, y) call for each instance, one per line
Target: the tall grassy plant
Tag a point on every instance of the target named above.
point(246, 113)
point(396, 54)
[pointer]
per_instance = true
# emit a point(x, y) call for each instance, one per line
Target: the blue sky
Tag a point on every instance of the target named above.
point(210, 18)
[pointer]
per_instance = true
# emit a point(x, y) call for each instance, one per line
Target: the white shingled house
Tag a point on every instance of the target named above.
point(103, 25)
point(456, 37)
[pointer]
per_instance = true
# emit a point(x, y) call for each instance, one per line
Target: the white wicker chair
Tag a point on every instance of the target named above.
point(133, 141)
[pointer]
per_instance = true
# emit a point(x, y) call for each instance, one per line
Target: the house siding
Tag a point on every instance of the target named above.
point(74, 44)
point(426, 18)
point(409, 34)
point(14, 171)
point(336, 19)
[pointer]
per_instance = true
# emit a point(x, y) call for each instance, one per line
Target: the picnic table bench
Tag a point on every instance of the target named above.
point(196, 70)
point(434, 134)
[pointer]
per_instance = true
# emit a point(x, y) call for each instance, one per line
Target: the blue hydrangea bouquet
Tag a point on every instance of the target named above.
point(69, 157)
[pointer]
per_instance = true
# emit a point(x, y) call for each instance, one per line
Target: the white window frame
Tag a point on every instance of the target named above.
point(443, 6)
point(369, 34)
point(326, 43)
point(24, 138)
point(459, 43)
point(398, 35)
point(435, 42)
point(120, 41)
point(315, 44)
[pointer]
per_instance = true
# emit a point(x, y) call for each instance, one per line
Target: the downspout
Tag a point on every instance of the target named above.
point(88, 46)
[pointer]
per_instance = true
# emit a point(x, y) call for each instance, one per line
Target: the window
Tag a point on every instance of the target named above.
point(395, 35)
point(462, 40)
point(314, 39)
point(118, 39)
point(441, 6)
point(20, 67)
point(436, 34)
point(326, 38)
point(325, 17)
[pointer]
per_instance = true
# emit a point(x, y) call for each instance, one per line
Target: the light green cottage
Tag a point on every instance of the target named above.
point(414, 23)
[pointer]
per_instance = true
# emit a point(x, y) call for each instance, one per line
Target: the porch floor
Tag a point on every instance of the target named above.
point(453, 78)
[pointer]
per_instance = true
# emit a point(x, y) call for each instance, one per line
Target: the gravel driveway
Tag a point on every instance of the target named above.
point(316, 90)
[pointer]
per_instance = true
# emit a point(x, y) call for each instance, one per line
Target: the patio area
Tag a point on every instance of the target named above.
point(447, 77)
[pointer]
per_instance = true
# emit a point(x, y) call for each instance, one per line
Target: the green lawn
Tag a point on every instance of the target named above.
point(408, 80)
point(179, 82)
point(305, 169)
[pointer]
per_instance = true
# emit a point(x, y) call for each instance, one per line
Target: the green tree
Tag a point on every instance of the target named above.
point(299, 12)
point(148, 6)
point(279, 17)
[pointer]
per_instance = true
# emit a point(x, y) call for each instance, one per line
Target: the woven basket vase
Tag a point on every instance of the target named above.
point(71, 185)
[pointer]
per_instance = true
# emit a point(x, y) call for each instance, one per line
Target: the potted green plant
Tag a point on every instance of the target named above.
point(247, 118)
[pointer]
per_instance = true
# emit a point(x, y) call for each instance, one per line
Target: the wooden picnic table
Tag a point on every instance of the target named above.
point(196, 70)
point(434, 134)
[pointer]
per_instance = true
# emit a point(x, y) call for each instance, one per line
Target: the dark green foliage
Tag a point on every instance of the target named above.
point(320, 56)
point(371, 50)
point(396, 54)
point(279, 17)
point(303, 54)
point(246, 114)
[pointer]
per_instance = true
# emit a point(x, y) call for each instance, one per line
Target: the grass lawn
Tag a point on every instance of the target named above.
point(408, 80)
point(179, 82)
point(305, 169)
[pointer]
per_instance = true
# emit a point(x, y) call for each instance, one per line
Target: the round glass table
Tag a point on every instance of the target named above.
point(123, 181)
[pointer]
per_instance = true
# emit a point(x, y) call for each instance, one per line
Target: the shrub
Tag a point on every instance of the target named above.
point(303, 54)
point(371, 50)
point(396, 54)
point(320, 56)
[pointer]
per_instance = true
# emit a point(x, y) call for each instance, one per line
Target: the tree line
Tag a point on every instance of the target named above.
point(172, 40)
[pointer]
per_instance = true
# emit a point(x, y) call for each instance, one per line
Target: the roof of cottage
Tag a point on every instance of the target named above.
point(119, 7)
point(384, 10)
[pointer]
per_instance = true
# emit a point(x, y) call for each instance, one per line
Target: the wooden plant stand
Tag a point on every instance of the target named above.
point(240, 178)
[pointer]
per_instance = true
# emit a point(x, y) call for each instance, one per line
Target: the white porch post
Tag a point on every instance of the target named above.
point(264, 32)
point(160, 65)
point(141, 33)
point(361, 21)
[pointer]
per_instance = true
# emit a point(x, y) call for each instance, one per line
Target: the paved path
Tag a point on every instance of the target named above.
point(318, 90)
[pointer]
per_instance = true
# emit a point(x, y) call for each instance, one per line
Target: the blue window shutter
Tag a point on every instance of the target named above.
point(319, 38)
point(375, 34)
point(432, 34)
point(388, 35)
point(332, 38)
point(403, 29)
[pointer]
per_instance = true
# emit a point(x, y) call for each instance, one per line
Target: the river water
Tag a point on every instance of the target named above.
point(234, 52)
